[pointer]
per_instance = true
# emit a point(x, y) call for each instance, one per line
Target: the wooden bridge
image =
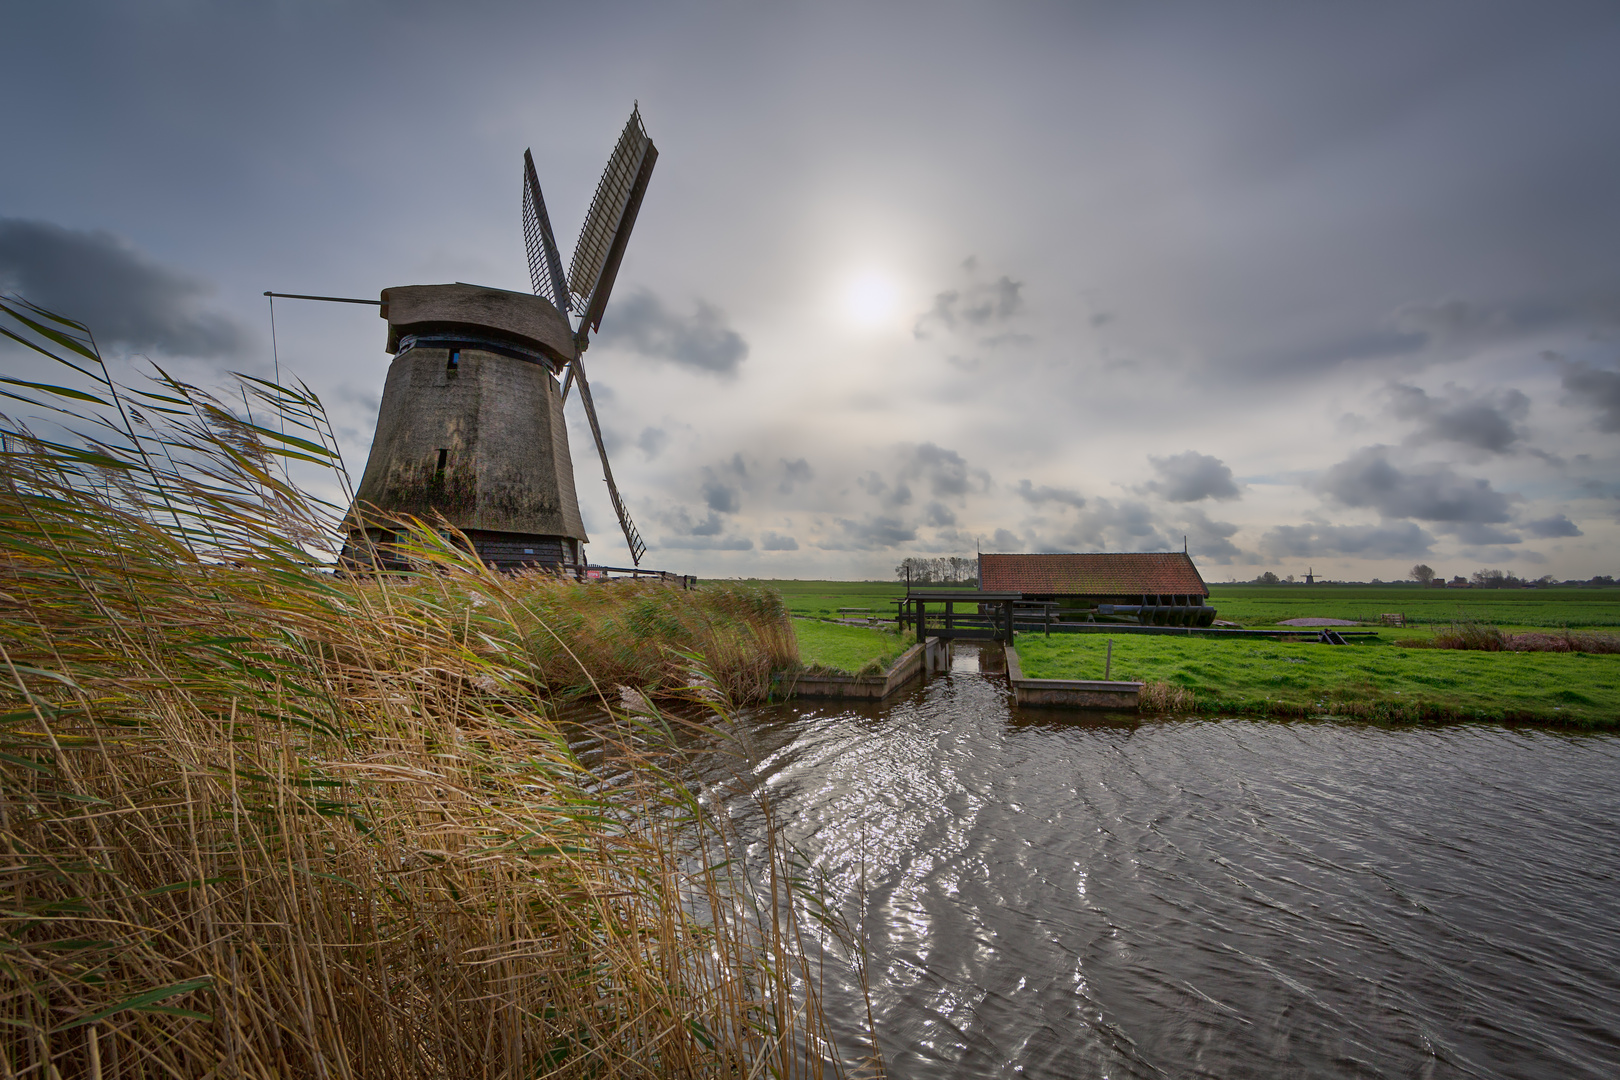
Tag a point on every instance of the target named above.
point(914, 609)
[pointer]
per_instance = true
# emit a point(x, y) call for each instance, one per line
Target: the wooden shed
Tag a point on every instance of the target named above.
point(1161, 588)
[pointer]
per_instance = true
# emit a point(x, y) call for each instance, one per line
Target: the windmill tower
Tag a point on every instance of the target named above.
point(471, 426)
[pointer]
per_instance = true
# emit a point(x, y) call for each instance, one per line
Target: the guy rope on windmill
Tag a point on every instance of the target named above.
point(471, 428)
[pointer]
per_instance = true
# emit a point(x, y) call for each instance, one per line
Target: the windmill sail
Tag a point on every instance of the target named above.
point(545, 266)
point(638, 547)
point(596, 259)
point(592, 270)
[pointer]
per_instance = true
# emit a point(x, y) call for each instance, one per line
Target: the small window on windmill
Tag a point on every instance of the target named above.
point(444, 458)
point(453, 363)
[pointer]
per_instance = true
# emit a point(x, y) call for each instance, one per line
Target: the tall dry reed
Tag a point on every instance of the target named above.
point(259, 820)
point(1480, 636)
point(580, 636)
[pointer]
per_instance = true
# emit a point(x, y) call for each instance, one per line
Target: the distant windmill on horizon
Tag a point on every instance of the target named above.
point(471, 425)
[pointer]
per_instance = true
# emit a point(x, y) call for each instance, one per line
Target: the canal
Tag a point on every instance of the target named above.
point(1056, 894)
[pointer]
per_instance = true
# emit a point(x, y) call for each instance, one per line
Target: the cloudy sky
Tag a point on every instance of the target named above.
point(1330, 286)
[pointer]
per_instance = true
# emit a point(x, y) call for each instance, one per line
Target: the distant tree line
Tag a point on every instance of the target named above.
point(1480, 579)
point(951, 570)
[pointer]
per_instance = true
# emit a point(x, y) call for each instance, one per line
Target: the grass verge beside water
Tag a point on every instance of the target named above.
point(823, 599)
point(848, 650)
point(1259, 605)
point(1383, 682)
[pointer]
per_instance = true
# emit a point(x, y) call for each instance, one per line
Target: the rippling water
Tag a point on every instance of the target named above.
point(1052, 894)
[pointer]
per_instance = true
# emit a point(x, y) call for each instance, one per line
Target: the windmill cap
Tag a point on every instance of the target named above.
point(526, 320)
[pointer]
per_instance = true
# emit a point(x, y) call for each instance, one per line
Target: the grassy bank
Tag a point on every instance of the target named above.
point(850, 650)
point(258, 820)
point(1379, 681)
point(823, 599)
point(1255, 605)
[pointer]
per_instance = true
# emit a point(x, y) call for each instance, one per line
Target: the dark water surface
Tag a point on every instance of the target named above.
point(1051, 894)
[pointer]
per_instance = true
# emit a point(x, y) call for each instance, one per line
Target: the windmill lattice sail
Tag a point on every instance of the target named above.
point(545, 266)
point(594, 267)
point(607, 226)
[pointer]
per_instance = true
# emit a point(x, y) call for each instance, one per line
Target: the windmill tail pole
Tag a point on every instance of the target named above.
point(638, 547)
point(328, 299)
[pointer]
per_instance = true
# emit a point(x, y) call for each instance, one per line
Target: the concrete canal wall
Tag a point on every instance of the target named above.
point(914, 663)
point(1071, 693)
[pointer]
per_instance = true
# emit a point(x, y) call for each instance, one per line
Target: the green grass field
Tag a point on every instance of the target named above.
point(1263, 605)
point(822, 599)
point(849, 649)
point(1378, 681)
point(1260, 605)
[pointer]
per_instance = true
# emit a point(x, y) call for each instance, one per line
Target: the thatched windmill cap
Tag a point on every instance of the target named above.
point(526, 320)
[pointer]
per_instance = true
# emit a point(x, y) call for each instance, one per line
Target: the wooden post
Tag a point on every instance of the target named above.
point(1009, 610)
point(950, 609)
point(922, 620)
point(1108, 661)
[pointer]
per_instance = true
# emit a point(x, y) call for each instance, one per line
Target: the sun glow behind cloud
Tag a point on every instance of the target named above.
point(870, 299)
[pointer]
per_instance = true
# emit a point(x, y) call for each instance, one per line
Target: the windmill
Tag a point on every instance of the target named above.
point(471, 424)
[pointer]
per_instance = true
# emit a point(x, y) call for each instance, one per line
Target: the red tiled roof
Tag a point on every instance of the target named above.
point(1097, 573)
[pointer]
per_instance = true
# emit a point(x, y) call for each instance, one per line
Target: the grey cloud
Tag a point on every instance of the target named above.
point(1592, 386)
point(681, 522)
point(652, 441)
point(1045, 494)
point(1209, 540)
point(720, 496)
point(945, 470)
point(877, 487)
point(873, 532)
point(777, 542)
point(1477, 534)
point(1395, 540)
point(795, 472)
point(1328, 351)
point(702, 341)
point(1192, 476)
point(1429, 493)
point(980, 305)
point(999, 300)
point(707, 543)
point(109, 285)
point(1486, 421)
point(1462, 322)
point(1547, 528)
point(939, 515)
point(1006, 541)
point(1119, 521)
point(1506, 555)
point(1106, 525)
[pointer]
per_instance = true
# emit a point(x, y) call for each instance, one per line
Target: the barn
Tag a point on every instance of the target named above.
point(1160, 588)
